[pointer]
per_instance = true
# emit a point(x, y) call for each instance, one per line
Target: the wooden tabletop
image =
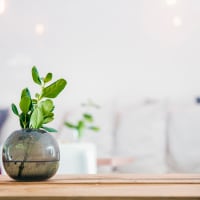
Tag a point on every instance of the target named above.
point(104, 187)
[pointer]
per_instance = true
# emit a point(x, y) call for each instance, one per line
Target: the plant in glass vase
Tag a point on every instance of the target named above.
point(80, 157)
point(31, 153)
point(86, 121)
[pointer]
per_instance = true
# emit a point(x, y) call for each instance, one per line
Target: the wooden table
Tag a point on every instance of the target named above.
point(104, 187)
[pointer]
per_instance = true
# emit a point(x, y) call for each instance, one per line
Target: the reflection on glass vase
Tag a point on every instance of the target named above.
point(30, 154)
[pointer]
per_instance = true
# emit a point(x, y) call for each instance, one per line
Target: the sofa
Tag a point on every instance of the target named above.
point(161, 135)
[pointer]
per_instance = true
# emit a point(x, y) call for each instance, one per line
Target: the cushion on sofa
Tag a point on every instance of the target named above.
point(141, 135)
point(183, 138)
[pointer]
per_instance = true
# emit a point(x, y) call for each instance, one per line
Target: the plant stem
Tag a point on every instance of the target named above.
point(21, 167)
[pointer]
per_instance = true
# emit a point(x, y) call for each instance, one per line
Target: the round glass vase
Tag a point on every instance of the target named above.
point(30, 154)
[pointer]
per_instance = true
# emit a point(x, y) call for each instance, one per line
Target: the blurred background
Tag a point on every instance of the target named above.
point(139, 59)
point(105, 49)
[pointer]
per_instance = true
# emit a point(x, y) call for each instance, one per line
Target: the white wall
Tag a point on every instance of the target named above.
point(104, 48)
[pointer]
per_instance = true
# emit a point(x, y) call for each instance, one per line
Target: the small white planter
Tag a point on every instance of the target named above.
point(77, 158)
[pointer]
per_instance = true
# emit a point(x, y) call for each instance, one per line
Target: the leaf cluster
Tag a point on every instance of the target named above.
point(85, 123)
point(36, 112)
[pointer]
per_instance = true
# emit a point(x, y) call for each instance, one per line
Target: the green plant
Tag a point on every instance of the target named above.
point(85, 122)
point(35, 112)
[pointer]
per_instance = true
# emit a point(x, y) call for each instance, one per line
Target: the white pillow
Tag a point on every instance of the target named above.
point(141, 135)
point(184, 138)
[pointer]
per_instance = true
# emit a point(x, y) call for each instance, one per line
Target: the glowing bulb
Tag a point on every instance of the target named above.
point(2, 6)
point(39, 29)
point(171, 2)
point(177, 21)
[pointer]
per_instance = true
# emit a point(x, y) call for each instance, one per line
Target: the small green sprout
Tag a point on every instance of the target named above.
point(86, 121)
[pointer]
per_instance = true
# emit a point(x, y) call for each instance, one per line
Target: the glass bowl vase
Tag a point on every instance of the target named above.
point(30, 154)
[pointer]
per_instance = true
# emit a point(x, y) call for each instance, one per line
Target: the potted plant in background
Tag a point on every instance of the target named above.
point(31, 153)
point(80, 156)
point(86, 122)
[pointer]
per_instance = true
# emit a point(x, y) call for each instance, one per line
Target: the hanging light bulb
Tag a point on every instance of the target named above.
point(171, 2)
point(39, 29)
point(2, 6)
point(177, 21)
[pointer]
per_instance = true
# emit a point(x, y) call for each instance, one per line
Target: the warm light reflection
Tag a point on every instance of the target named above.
point(2, 6)
point(171, 2)
point(177, 21)
point(39, 29)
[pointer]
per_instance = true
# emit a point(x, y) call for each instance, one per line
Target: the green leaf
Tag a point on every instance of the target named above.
point(25, 104)
point(35, 76)
point(50, 114)
point(34, 101)
point(54, 89)
point(90, 103)
point(25, 93)
point(48, 77)
point(36, 118)
point(49, 129)
point(47, 120)
point(69, 125)
point(81, 124)
point(24, 120)
point(46, 106)
point(80, 128)
point(14, 109)
point(94, 128)
point(88, 117)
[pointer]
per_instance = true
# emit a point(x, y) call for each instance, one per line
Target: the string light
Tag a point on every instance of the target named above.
point(39, 29)
point(171, 2)
point(177, 21)
point(2, 6)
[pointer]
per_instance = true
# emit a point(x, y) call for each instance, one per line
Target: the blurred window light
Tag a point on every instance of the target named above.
point(177, 21)
point(39, 29)
point(2, 6)
point(171, 2)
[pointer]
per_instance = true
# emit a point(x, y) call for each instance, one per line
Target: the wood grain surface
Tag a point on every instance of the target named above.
point(104, 187)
